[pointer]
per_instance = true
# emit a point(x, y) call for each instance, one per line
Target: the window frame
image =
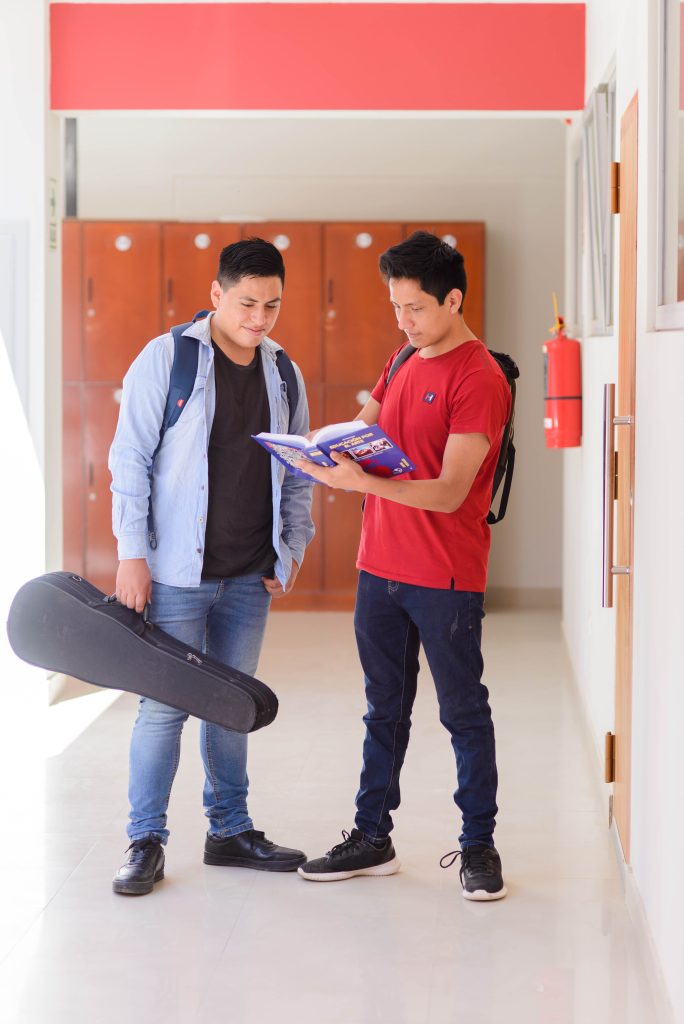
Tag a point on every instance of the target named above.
point(669, 311)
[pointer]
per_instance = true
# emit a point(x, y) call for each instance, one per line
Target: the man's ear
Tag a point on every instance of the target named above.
point(215, 293)
point(455, 300)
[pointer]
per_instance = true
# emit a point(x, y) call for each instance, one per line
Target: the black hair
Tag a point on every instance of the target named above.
point(252, 257)
point(425, 258)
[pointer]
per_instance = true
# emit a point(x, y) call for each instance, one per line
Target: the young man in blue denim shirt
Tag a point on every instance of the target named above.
point(230, 530)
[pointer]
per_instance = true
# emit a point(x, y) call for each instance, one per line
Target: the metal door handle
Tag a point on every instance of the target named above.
point(610, 421)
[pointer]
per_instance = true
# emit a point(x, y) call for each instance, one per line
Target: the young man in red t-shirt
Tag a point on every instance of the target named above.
point(423, 564)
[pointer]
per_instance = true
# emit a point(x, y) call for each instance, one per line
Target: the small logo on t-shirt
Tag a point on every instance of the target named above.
point(429, 397)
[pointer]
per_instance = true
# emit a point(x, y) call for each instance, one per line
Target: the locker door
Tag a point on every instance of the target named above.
point(469, 238)
point(72, 479)
point(359, 327)
point(122, 281)
point(72, 301)
point(72, 413)
point(341, 513)
point(190, 255)
point(298, 328)
point(100, 412)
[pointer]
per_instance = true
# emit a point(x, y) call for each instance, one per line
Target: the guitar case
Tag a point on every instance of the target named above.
point(63, 623)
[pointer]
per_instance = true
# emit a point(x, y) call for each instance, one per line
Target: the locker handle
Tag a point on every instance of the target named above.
point(91, 474)
point(89, 290)
point(330, 291)
point(169, 290)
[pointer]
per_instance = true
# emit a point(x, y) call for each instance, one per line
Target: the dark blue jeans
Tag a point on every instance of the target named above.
point(392, 620)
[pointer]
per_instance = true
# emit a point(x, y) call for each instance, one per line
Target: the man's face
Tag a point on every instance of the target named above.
point(247, 311)
point(419, 315)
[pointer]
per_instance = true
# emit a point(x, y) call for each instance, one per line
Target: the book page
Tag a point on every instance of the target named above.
point(335, 430)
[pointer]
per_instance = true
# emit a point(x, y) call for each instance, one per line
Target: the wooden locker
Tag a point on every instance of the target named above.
point(72, 301)
point(190, 256)
point(359, 323)
point(298, 328)
point(469, 238)
point(72, 479)
point(341, 515)
point(309, 585)
point(100, 415)
point(121, 284)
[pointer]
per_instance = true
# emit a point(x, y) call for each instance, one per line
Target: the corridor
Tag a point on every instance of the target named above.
point(233, 945)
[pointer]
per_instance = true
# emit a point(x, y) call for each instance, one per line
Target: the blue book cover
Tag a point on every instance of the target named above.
point(370, 446)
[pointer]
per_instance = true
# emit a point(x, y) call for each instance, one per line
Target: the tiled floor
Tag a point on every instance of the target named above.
point(221, 944)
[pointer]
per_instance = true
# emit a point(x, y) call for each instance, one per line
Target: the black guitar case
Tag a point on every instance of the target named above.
point(63, 623)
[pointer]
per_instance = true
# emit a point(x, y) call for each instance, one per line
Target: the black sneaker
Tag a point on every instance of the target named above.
point(143, 867)
point(481, 876)
point(251, 849)
point(352, 857)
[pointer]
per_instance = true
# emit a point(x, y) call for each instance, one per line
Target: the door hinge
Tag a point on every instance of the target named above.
point(610, 810)
point(609, 758)
point(615, 188)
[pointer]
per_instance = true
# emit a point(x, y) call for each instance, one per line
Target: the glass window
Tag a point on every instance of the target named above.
point(598, 152)
point(671, 176)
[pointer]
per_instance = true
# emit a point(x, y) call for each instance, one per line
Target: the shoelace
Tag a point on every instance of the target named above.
point(477, 859)
point(142, 848)
point(344, 846)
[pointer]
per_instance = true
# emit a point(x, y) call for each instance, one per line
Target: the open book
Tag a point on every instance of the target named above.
point(369, 446)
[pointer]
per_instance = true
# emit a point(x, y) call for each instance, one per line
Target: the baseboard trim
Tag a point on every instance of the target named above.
point(524, 597)
point(645, 941)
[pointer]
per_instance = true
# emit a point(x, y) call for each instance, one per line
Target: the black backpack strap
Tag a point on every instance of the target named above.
point(399, 360)
point(508, 480)
point(289, 377)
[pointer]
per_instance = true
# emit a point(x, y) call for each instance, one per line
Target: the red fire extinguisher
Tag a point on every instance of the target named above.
point(562, 388)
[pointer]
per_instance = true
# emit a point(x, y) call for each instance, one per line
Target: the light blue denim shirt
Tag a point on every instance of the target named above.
point(179, 485)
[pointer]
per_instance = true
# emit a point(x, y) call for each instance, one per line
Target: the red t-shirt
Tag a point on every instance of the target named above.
point(460, 392)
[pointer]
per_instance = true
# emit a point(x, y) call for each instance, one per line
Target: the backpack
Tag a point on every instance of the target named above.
point(506, 460)
point(182, 382)
point(184, 371)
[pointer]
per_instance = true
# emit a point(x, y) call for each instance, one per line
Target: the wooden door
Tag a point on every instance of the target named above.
point(121, 286)
point(626, 392)
point(359, 324)
point(298, 328)
point(469, 238)
point(100, 415)
point(190, 256)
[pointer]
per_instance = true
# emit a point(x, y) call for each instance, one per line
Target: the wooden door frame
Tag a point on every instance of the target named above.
point(626, 394)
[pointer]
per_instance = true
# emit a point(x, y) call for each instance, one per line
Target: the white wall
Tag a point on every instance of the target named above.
point(658, 695)
point(29, 411)
point(508, 173)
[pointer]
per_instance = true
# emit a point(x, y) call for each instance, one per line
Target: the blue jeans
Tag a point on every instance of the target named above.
point(226, 620)
point(391, 621)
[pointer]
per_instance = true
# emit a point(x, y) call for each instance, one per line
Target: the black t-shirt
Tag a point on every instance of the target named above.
point(240, 512)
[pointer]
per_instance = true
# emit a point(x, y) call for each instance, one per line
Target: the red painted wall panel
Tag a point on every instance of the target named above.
point(317, 56)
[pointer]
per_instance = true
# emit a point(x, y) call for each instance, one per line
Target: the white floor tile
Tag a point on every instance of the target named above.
point(228, 944)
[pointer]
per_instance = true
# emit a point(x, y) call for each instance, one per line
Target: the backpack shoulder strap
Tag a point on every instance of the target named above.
point(399, 360)
point(288, 375)
point(183, 374)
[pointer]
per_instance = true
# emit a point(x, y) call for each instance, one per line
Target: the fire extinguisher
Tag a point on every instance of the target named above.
point(562, 388)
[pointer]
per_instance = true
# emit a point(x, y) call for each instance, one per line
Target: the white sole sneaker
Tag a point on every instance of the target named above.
point(482, 896)
point(390, 868)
